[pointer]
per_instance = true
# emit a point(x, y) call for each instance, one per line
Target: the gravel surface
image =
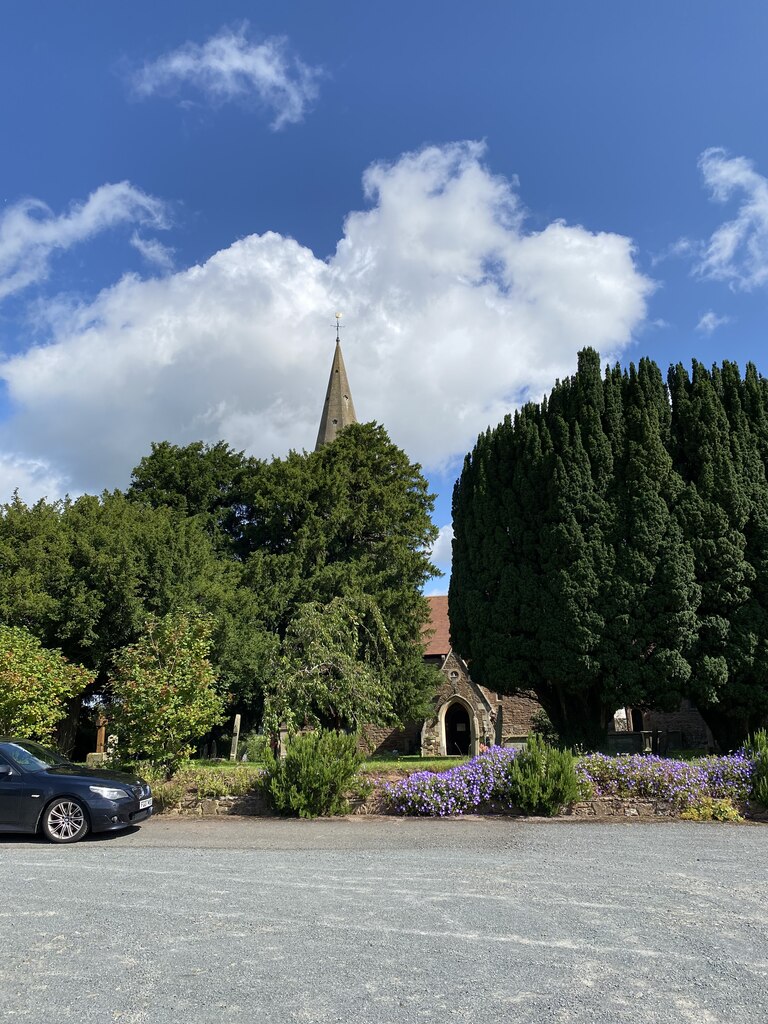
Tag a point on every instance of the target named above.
point(388, 920)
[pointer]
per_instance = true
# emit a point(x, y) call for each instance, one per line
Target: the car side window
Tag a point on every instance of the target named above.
point(24, 759)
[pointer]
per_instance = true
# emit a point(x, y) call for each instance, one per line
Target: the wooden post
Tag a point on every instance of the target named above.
point(101, 735)
point(235, 738)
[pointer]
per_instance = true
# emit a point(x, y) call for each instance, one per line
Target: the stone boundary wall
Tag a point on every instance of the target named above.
point(254, 804)
point(616, 807)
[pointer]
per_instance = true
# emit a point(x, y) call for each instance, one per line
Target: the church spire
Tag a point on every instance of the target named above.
point(338, 410)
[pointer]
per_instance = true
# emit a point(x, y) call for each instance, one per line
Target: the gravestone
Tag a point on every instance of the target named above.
point(235, 738)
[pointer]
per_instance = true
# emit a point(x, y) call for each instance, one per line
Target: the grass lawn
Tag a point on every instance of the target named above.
point(371, 766)
point(412, 763)
point(227, 766)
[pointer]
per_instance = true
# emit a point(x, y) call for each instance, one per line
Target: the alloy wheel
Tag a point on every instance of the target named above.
point(65, 821)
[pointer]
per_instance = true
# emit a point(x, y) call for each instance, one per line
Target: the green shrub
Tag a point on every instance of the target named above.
point(166, 792)
point(708, 809)
point(315, 776)
point(255, 747)
point(541, 724)
point(211, 782)
point(757, 748)
point(542, 779)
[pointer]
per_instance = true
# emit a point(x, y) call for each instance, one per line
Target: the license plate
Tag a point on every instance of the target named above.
point(145, 803)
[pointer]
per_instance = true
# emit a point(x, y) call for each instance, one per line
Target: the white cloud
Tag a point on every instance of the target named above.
point(33, 479)
point(710, 321)
point(153, 251)
point(230, 67)
point(30, 233)
point(683, 247)
point(454, 313)
point(737, 251)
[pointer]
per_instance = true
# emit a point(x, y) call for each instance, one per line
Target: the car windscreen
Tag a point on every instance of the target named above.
point(32, 756)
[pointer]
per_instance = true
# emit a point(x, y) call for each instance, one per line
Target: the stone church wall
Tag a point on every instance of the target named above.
point(383, 739)
point(516, 716)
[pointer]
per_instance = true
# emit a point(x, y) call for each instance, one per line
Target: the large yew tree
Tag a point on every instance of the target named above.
point(611, 548)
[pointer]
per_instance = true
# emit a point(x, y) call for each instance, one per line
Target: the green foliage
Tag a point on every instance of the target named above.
point(333, 669)
point(255, 745)
point(166, 792)
point(84, 576)
point(542, 726)
point(709, 809)
point(204, 481)
point(315, 776)
point(611, 548)
point(35, 685)
point(757, 748)
point(164, 694)
point(348, 525)
point(542, 779)
point(211, 782)
point(718, 444)
point(348, 529)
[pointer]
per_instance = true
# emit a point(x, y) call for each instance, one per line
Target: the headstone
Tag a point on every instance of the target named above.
point(235, 738)
point(214, 751)
point(625, 742)
point(282, 740)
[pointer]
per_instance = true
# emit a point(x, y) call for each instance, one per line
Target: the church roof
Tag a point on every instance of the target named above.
point(439, 643)
point(338, 410)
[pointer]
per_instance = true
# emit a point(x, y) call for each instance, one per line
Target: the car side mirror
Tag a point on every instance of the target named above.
point(5, 769)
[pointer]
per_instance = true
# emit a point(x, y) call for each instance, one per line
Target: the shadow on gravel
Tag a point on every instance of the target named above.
point(21, 838)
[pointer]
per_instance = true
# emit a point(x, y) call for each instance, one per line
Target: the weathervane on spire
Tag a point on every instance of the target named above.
point(338, 326)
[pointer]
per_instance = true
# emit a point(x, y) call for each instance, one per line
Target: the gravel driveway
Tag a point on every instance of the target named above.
point(388, 920)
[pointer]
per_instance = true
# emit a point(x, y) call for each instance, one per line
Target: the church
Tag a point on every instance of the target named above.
point(467, 716)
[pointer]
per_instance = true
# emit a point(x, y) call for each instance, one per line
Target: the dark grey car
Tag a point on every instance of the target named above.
point(41, 791)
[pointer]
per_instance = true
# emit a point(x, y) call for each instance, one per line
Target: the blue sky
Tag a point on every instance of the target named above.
point(190, 191)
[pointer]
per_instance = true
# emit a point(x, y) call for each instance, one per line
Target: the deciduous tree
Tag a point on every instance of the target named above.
point(35, 685)
point(164, 692)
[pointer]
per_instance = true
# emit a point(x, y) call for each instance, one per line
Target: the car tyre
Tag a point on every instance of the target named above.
point(65, 820)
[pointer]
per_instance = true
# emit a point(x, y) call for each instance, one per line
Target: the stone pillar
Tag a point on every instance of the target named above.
point(235, 738)
point(282, 740)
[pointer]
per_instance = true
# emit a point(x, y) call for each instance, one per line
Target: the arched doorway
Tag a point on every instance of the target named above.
point(458, 730)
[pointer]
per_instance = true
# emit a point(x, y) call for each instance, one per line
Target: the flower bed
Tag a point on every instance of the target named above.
point(462, 790)
point(683, 784)
point(481, 785)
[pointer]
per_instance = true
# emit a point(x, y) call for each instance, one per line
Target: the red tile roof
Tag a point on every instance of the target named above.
point(439, 643)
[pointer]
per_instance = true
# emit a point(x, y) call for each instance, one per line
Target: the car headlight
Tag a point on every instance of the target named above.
point(109, 794)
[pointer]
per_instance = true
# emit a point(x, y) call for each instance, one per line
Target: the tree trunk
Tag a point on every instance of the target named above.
point(66, 731)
